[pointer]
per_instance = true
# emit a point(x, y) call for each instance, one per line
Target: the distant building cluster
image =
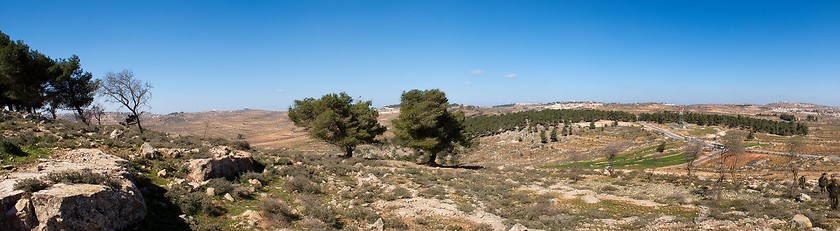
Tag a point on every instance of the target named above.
point(573, 105)
point(388, 110)
point(807, 109)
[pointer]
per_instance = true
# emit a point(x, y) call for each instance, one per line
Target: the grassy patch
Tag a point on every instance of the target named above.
point(639, 159)
point(27, 155)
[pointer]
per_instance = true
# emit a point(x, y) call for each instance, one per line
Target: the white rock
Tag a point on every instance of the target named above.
point(161, 173)
point(377, 226)
point(255, 182)
point(802, 221)
point(590, 199)
point(229, 197)
point(117, 133)
point(211, 191)
point(520, 227)
point(147, 151)
point(804, 197)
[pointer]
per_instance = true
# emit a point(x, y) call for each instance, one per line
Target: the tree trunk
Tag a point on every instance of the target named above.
point(80, 113)
point(432, 159)
point(138, 122)
point(688, 168)
point(348, 152)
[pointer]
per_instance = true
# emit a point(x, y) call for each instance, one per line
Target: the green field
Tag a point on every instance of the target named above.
point(638, 159)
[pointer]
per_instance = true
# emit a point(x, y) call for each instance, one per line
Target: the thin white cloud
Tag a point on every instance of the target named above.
point(510, 76)
point(476, 72)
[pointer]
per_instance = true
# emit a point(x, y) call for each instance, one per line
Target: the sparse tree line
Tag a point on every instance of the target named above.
point(747, 123)
point(494, 124)
point(31, 82)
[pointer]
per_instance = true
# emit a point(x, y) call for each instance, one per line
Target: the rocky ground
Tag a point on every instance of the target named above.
point(176, 182)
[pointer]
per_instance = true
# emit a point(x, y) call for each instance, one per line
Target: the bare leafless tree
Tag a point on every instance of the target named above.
point(691, 151)
point(610, 152)
point(794, 145)
point(96, 111)
point(132, 93)
point(733, 147)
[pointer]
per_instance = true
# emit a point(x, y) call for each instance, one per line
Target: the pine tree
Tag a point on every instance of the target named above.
point(543, 139)
point(554, 133)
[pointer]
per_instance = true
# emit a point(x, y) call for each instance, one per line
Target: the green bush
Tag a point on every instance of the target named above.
point(221, 186)
point(10, 147)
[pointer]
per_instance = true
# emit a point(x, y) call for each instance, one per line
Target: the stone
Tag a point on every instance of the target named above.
point(520, 227)
point(255, 182)
point(173, 153)
point(225, 163)
point(377, 226)
point(162, 173)
point(87, 207)
point(211, 191)
point(228, 197)
point(803, 197)
point(590, 199)
point(802, 221)
point(147, 151)
point(116, 134)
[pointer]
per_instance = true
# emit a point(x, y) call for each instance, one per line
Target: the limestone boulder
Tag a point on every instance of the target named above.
point(802, 222)
point(224, 163)
point(87, 207)
point(148, 151)
point(73, 206)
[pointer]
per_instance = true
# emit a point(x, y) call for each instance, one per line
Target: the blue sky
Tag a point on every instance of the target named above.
point(223, 55)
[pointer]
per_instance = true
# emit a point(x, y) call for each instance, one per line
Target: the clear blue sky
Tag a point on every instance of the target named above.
point(205, 55)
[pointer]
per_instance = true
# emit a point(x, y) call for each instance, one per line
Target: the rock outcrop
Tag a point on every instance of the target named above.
point(225, 163)
point(147, 151)
point(73, 206)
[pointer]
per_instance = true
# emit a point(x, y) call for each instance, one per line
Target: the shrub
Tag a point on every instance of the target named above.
point(397, 193)
point(277, 210)
point(302, 185)
point(465, 206)
point(31, 185)
point(609, 188)
point(240, 145)
point(314, 208)
point(9, 147)
point(197, 202)
point(241, 193)
point(83, 177)
point(252, 175)
point(436, 192)
point(221, 186)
